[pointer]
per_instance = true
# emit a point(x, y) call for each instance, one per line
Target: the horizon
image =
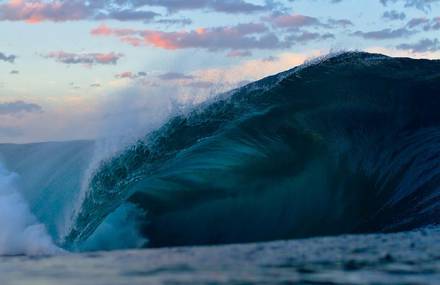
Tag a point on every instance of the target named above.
point(79, 70)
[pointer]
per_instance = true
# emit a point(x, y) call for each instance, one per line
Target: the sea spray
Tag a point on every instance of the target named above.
point(20, 232)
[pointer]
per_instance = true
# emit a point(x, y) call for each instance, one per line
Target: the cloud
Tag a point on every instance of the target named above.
point(424, 45)
point(130, 75)
point(19, 107)
point(305, 37)
point(85, 58)
point(14, 72)
point(180, 22)
point(175, 76)
point(299, 21)
point(292, 21)
point(416, 22)
point(36, 11)
point(128, 15)
point(7, 58)
point(394, 15)
point(384, 34)
point(340, 23)
point(224, 6)
point(424, 5)
point(239, 37)
point(425, 23)
point(270, 59)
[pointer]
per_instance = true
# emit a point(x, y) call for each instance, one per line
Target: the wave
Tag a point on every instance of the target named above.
point(345, 144)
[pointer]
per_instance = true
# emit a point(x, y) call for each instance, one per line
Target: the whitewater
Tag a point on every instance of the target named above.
point(345, 146)
point(20, 233)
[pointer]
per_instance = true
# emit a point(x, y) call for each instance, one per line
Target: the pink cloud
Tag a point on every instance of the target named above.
point(37, 11)
point(241, 36)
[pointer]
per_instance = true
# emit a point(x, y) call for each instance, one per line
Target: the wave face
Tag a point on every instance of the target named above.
point(348, 144)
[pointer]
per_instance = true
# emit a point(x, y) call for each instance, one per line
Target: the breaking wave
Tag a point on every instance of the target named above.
point(346, 144)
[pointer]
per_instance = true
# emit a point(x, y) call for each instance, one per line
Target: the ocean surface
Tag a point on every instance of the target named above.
point(402, 258)
point(348, 144)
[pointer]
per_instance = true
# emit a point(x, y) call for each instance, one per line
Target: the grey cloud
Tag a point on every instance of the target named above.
point(416, 22)
point(425, 23)
point(225, 6)
point(19, 107)
point(74, 10)
point(175, 76)
point(299, 21)
point(424, 45)
point(270, 59)
point(7, 58)
point(131, 75)
point(85, 58)
point(239, 53)
point(181, 22)
point(305, 37)
point(342, 23)
point(129, 15)
point(384, 34)
point(394, 15)
point(292, 21)
point(424, 5)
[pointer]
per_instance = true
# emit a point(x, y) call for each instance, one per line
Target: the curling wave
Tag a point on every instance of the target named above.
point(346, 144)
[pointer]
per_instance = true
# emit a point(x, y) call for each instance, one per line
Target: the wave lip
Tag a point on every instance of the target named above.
point(312, 151)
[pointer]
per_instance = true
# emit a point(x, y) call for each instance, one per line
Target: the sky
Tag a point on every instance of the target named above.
point(108, 68)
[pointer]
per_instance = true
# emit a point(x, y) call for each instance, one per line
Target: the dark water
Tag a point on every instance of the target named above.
point(403, 258)
point(347, 144)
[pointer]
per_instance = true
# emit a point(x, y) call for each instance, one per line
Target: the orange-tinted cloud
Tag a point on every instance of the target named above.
point(238, 37)
point(36, 11)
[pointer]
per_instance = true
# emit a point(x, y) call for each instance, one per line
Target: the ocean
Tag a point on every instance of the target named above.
point(346, 146)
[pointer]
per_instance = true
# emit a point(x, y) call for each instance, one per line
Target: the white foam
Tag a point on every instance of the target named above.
point(20, 232)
